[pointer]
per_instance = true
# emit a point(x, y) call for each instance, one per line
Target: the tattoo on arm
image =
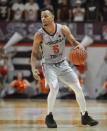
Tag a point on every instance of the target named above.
point(69, 36)
point(75, 43)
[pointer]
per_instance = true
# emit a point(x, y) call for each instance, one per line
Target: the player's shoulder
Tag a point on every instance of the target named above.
point(64, 28)
point(60, 25)
point(38, 34)
point(39, 31)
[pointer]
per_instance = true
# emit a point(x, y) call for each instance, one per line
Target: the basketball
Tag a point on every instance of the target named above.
point(78, 56)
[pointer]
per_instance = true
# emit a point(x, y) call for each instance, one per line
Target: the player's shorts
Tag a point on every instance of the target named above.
point(59, 71)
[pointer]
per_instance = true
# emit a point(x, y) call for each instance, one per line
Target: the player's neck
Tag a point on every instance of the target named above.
point(51, 28)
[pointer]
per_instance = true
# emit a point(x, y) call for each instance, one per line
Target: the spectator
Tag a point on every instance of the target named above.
point(10, 54)
point(17, 88)
point(3, 68)
point(104, 10)
point(6, 60)
point(31, 11)
point(20, 84)
point(47, 4)
point(92, 11)
point(5, 10)
point(73, 2)
point(64, 12)
point(40, 3)
point(55, 6)
point(78, 12)
point(18, 10)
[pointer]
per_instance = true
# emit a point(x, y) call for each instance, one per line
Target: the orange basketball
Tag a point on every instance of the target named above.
point(78, 56)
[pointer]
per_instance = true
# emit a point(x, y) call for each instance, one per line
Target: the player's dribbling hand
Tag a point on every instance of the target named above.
point(79, 47)
point(36, 74)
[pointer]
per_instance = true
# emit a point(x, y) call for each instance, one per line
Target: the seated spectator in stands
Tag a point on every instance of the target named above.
point(3, 74)
point(55, 7)
point(104, 10)
point(2, 53)
point(31, 11)
point(20, 88)
point(92, 11)
point(5, 10)
point(64, 12)
point(10, 54)
point(78, 12)
point(73, 2)
point(17, 88)
point(6, 57)
point(18, 10)
point(40, 3)
point(20, 84)
point(3, 68)
point(47, 4)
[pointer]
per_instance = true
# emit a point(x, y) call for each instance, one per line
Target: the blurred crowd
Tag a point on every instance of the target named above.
point(65, 10)
point(14, 84)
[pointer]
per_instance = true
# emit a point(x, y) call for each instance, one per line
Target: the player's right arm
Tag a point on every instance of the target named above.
point(34, 55)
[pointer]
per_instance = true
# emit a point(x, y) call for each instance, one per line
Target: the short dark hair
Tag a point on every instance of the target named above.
point(50, 10)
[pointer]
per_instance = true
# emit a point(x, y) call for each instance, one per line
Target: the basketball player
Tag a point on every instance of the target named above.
point(51, 38)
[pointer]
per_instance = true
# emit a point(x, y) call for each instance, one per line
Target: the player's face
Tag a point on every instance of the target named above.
point(46, 18)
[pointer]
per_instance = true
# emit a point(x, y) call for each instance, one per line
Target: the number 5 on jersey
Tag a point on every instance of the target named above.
point(56, 49)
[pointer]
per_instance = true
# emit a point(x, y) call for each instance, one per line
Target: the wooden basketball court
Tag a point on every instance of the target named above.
point(28, 115)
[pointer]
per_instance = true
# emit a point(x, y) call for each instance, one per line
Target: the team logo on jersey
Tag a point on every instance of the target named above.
point(55, 41)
